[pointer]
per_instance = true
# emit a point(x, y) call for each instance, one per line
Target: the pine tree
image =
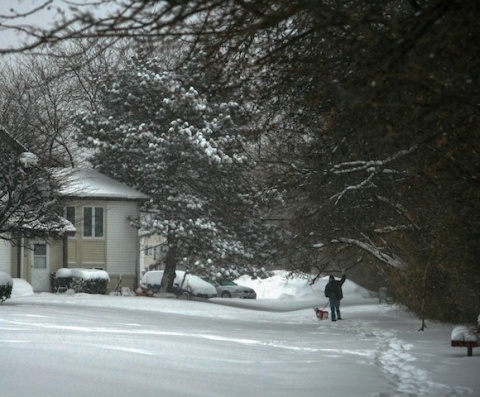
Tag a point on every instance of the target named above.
point(159, 135)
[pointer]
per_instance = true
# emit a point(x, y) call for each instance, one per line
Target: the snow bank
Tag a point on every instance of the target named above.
point(84, 274)
point(279, 286)
point(5, 279)
point(21, 288)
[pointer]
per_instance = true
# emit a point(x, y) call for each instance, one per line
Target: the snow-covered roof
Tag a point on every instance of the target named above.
point(87, 182)
point(11, 141)
point(57, 224)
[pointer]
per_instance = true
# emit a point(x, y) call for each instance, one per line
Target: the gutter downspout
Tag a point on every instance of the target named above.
point(65, 250)
point(20, 257)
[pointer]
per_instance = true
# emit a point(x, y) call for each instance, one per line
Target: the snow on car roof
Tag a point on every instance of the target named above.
point(154, 277)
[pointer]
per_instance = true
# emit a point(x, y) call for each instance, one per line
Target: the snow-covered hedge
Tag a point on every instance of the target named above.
point(90, 281)
point(6, 285)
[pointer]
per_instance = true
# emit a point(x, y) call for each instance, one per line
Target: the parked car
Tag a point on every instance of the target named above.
point(229, 289)
point(185, 285)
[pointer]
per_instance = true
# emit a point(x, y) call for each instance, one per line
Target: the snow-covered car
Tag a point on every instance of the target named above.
point(185, 285)
point(229, 289)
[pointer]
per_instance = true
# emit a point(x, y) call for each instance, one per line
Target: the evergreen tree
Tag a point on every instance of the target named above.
point(29, 201)
point(159, 135)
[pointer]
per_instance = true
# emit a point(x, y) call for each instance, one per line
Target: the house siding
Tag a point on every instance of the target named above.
point(94, 253)
point(56, 254)
point(14, 260)
point(123, 244)
point(72, 252)
point(5, 256)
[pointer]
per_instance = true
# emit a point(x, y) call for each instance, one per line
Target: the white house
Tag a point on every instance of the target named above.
point(153, 250)
point(101, 210)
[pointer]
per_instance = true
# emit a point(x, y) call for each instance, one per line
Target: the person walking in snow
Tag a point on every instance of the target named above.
point(333, 291)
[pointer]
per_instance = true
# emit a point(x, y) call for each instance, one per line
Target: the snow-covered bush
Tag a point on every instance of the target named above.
point(89, 281)
point(6, 285)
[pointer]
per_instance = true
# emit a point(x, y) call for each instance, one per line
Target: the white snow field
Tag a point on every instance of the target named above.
point(78, 345)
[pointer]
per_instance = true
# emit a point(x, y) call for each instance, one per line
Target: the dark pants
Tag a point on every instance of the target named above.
point(335, 308)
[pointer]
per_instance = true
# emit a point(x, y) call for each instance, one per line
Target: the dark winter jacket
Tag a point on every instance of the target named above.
point(334, 288)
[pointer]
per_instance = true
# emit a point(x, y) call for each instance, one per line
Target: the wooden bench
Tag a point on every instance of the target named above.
point(464, 337)
point(467, 344)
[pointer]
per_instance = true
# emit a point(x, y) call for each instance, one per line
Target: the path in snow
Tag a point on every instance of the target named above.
point(392, 355)
point(397, 363)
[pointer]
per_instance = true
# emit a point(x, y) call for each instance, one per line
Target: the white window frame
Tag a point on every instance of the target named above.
point(46, 256)
point(92, 223)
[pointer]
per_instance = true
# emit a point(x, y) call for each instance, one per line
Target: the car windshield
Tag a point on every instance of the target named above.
point(225, 282)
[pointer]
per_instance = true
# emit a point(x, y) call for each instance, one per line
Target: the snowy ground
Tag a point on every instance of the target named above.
point(84, 345)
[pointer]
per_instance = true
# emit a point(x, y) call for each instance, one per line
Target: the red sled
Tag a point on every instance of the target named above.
point(321, 314)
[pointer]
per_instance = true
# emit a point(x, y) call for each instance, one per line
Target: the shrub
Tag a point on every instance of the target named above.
point(90, 286)
point(6, 286)
point(5, 292)
point(89, 281)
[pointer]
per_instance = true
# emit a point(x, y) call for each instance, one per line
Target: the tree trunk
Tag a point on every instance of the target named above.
point(424, 295)
point(170, 266)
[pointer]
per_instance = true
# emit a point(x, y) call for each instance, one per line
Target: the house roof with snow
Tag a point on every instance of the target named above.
point(87, 182)
point(56, 224)
point(11, 141)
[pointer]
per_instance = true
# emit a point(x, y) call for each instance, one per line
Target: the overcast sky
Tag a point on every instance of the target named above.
point(44, 18)
point(10, 38)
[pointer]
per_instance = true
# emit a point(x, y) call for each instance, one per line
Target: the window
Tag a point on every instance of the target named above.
point(40, 256)
point(92, 222)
